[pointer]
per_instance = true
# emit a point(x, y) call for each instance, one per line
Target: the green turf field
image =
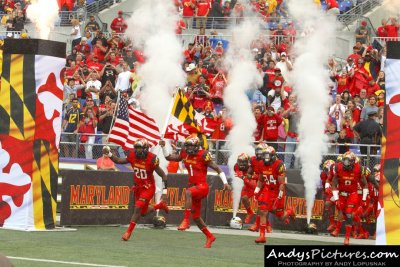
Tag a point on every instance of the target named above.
point(147, 247)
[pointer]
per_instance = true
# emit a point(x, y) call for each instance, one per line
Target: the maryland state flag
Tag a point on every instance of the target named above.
point(182, 122)
point(31, 97)
point(388, 223)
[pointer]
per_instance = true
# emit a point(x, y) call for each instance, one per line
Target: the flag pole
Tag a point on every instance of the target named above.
point(171, 106)
point(114, 115)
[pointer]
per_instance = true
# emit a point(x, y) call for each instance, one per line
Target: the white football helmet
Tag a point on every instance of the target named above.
point(236, 223)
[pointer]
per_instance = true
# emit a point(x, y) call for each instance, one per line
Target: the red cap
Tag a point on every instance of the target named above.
point(120, 12)
point(364, 23)
point(270, 109)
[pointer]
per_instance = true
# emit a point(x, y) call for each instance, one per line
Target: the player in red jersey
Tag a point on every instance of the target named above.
point(369, 211)
point(144, 163)
point(346, 176)
point(196, 162)
point(241, 167)
point(326, 180)
point(271, 191)
point(254, 170)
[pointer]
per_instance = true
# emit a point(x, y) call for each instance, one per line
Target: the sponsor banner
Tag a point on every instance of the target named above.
point(96, 197)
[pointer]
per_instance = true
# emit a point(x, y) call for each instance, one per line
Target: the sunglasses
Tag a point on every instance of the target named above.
point(89, 100)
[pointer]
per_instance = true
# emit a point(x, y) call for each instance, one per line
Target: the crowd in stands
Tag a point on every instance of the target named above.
point(98, 68)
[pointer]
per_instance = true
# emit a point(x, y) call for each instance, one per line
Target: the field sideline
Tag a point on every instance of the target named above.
point(101, 246)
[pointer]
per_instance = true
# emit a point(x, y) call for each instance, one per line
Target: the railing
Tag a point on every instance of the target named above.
point(65, 17)
point(218, 148)
point(358, 11)
point(95, 6)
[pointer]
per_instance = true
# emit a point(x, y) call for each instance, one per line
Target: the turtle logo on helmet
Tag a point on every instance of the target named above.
point(141, 148)
point(269, 155)
point(192, 145)
point(243, 162)
point(259, 151)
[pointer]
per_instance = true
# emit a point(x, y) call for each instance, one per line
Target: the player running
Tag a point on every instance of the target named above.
point(144, 163)
point(196, 161)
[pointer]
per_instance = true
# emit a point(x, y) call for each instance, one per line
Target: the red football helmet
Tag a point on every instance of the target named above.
point(260, 149)
point(348, 159)
point(192, 145)
point(141, 147)
point(243, 161)
point(269, 155)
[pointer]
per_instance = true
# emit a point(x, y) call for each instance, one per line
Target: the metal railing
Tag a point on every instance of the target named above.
point(219, 149)
point(95, 6)
point(358, 11)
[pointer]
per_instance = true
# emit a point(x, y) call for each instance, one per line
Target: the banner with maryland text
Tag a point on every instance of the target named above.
point(388, 223)
point(30, 126)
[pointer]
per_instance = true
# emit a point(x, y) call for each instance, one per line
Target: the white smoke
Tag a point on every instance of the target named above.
point(311, 79)
point(152, 29)
point(43, 14)
point(392, 6)
point(242, 76)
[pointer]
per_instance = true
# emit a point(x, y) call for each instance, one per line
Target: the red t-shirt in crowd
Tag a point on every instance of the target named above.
point(203, 8)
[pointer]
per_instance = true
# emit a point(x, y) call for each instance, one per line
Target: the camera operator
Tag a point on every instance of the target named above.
point(200, 94)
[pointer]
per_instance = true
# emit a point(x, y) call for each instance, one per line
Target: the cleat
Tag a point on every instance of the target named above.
point(346, 241)
point(254, 228)
point(335, 233)
point(331, 227)
point(248, 218)
point(269, 229)
point(164, 207)
point(260, 240)
point(185, 224)
point(126, 236)
point(209, 241)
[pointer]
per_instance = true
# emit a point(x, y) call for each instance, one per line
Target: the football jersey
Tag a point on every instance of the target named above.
point(270, 175)
point(255, 164)
point(196, 165)
point(348, 180)
point(143, 168)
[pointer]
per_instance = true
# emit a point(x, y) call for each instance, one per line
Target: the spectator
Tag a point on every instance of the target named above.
point(119, 24)
point(337, 111)
point(369, 132)
point(270, 127)
point(129, 57)
point(345, 97)
point(332, 7)
point(189, 7)
point(362, 33)
point(193, 73)
point(71, 88)
point(381, 30)
point(202, 9)
point(99, 50)
point(277, 98)
point(108, 73)
point(123, 78)
point(332, 137)
point(372, 63)
point(216, 14)
point(392, 29)
point(83, 47)
point(75, 32)
point(70, 127)
point(93, 86)
point(293, 116)
point(218, 85)
point(92, 25)
point(372, 87)
point(348, 124)
point(343, 142)
point(99, 36)
point(107, 90)
point(285, 66)
point(381, 80)
point(104, 162)
point(343, 81)
point(200, 94)
point(369, 108)
point(94, 64)
point(354, 110)
point(87, 127)
point(359, 79)
point(106, 118)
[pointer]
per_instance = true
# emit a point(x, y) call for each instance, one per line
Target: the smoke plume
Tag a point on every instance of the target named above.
point(242, 76)
point(43, 14)
point(310, 79)
point(152, 29)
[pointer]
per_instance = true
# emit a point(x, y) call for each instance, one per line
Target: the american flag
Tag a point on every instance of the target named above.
point(131, 125)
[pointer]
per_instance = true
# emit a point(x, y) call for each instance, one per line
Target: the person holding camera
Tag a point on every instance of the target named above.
point(107, 90)
point(200, 94)
point(93, 86)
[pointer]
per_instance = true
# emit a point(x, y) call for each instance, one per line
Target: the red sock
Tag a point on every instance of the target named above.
point(348, 231)
point(257, 220)
point(186, 215)
point(206, 232)
point(339, 225)
point(249, 211)
point(331, 220)
point(158, 206)
point(131, 227)
point(262, 229)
